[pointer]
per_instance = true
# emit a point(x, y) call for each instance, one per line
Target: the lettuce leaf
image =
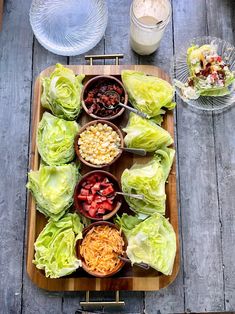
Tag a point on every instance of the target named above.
point(61, 93)
point(148, 93)
point(151, 241)
point(143, 133)
point(148, 179)
point(55, 246)
point(53, 188)
point(55, 139)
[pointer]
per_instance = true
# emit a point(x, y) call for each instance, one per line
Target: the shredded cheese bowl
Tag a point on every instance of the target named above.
point(100, 247)
point(98, 143)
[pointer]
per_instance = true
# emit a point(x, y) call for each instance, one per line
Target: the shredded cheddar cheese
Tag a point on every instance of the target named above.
point(100, 249)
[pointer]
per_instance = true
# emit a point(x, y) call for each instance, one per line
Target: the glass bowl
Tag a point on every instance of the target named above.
point(180, 72)
point(68, 27)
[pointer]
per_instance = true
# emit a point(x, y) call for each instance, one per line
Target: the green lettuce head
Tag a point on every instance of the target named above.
point(145, 134)
point(55, 247)
point(55, 139)
point(62, 93)
point(148, 93)
point(148, 179)
point(151, 241)
point(53, 188)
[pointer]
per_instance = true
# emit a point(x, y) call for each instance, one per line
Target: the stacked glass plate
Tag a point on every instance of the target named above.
point(69, 27)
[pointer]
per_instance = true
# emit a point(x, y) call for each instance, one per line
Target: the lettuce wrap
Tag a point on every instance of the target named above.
point(55, 251)
point(148, 94)
point(53, 188)
point(55, 139)
point(62, 93)
point(145, 134)
point(148, 179)
point(151, 241)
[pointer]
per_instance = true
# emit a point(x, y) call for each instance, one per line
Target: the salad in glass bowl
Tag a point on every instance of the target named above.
point(203, 74)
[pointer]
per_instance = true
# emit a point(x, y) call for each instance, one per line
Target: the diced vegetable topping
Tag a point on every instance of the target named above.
point(99, 144)
point(98, 101)
point(98, 198)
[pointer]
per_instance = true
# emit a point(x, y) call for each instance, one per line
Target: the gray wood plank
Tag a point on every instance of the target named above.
point(117, 33)
point(36, 300)
point(203, 279)
point(171, 299)
point(15, 89)
point(221, 23)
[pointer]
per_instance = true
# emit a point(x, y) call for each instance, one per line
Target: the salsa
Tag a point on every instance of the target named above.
point(98, 101)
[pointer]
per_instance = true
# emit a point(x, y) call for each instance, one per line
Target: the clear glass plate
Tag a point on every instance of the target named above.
point(180, 72)
point(68, 27)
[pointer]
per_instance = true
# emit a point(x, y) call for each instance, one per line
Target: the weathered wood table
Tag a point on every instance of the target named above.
point(205, 158)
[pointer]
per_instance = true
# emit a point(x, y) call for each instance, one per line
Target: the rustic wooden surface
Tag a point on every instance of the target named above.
point(205, 155)
point(1, 14)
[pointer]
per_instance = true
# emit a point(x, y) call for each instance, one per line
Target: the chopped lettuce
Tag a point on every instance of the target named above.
point(55, 246)
point(148, 179)
point(143, 133)
point(151, 241)
point(61, 93)
point(53, 188)
point(148, 93)
point(55, 139)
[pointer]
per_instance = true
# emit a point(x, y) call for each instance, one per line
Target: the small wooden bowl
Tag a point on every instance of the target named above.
point(91, 84)
point(84, 266)
point(114, 127)
point(118, 198)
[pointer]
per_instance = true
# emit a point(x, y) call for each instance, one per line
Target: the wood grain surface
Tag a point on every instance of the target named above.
point(200, 286)
point(129, 278)
point(1, 14)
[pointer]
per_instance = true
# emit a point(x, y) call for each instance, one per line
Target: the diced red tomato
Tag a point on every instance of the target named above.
point(92, 211)
point(96, 195)
point(108, 190)
point(96, 187)
point(86, 206)
point(82, 197)
point(84, 192)
point(87, 186)
point(90, 198)
point(101, 211)
point(94, 204)
point(106, 205)
point(110, 200)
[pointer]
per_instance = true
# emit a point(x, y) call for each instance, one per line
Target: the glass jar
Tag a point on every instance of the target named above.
point(148, 19)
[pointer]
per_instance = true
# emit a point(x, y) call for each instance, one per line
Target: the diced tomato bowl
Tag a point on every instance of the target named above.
point(95, 195)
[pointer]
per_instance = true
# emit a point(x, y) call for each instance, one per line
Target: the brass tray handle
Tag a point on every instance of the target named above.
point(88, 303)
point(115, 56)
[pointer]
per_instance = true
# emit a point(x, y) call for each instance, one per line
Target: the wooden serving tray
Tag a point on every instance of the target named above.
point(129, 278)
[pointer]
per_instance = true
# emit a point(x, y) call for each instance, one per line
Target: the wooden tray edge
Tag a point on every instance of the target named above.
point(30, 267)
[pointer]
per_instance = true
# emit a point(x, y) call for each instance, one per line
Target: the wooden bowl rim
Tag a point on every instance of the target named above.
point(84, 232)
point(114, 127)
point(104, 217)
point(92, 80)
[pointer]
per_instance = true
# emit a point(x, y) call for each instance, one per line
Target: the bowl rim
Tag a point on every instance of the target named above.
point(83, 128)
point(97, 78)
point(78, 186)
point(79, 242)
